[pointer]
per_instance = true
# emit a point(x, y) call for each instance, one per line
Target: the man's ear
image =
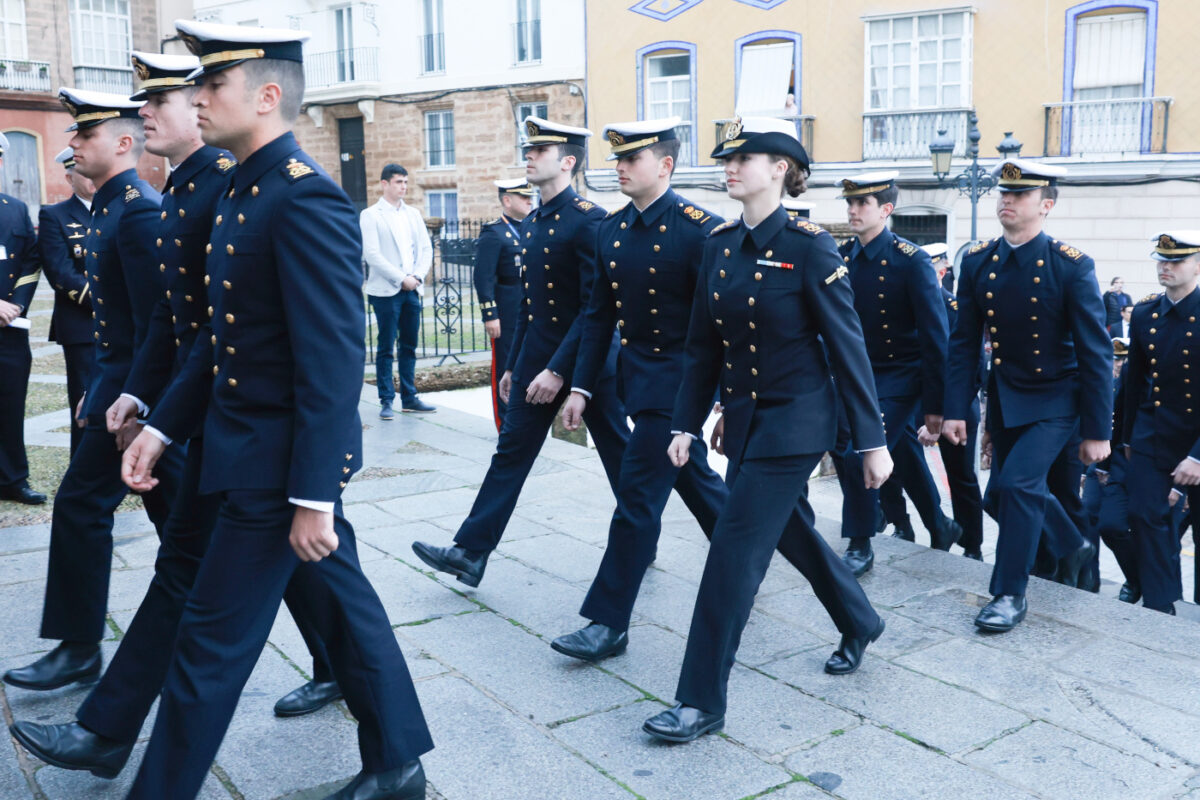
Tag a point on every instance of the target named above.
point(269, 95)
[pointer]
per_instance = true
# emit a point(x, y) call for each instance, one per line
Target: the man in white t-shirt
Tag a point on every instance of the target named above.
point(399, 254)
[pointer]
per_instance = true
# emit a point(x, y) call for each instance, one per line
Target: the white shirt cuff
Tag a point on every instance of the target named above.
point(315, 505)
point(677, 433)
point(143, 409)
point(1176, 491)
point(158, 434)
point(583, 392)
point(1191, 458)
point(872, 449)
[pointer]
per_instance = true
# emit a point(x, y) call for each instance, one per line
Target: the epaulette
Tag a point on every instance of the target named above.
point(726, 225)
point(224, 164)
point(696, 215)
point(132, 194)
point(1149, 298)
point(1073, 253)
point(801, 224)
point(295, 170)
point(616, 211)
point(584, 205)
point(908, 248)
point(980, 246)
point(495, 221)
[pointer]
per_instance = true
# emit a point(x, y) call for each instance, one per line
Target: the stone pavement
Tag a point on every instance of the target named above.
point(1089, 698)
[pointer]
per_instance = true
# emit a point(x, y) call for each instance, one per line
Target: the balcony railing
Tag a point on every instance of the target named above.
point(1095, 127)
point(907, 134)
point(804, 129)
point(117, 80)
point(431, 49)
point(341, 66)
point(527, 42)
point(24, 76)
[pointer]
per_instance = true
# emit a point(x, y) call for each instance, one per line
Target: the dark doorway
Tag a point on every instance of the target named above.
point(354, 162)
point(920, 228)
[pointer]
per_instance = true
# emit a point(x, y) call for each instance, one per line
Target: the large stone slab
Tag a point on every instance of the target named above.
point(546, 605)
point(557, 554)
point(1134, 669)
point(770, 717)
point(652, 661)
point(61, 784)
point(411, 596)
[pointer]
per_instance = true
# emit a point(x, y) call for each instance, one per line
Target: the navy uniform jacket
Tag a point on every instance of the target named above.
point(558, 243)
point(287, 337)
point(644, 286)
point(951, 303)
point(124, 281)
point(20, 268)
point(1162, 418)
point(898, 300)
point(61, 230)
point(762, 299)
point(181, 311)
point(497, 260)
point(1051, 356)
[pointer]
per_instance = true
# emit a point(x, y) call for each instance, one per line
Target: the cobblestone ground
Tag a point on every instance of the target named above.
point(1089, 698)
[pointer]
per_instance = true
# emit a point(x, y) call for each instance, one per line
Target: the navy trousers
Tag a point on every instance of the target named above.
point(399, 321)
point(1158, 540)
point(15, 361)
point(1019, 491)
point(646, 479)
point(508, 304)
point(521, 438)
point(767, 508)
point(81, 533)
point(118, 705)
point(81, 367)
point(225, 624)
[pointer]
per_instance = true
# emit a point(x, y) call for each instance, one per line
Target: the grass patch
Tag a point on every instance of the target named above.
point(42, 398)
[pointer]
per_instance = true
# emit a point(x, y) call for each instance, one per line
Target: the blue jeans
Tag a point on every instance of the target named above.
point(399, 321)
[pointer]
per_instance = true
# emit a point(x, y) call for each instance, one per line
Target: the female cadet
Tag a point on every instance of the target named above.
point(770, 288)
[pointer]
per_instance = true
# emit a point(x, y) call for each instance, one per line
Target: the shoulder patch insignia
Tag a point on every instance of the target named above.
point(616, 211)
point(298, 169)
point(695, 214)
point(74, 225)
point(975, 248)
point(811, 228)
point(840, 272)
point(1073, 253)
point(906, 248)
point(225, 163)
point(132, 194)
point(584, 205)
point(729, 223)
point(1150, 298)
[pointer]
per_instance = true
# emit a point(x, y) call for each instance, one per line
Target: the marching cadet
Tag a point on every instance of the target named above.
point(282, 435)
point(124, 282)
point(904, 321)
point(769, 286)
point(19, 273)
point(113, 713)
point(61, 231)
point(1161, 425)
point(498, 278)
point(648, 256)
point(558, 243)
point(1050, 381)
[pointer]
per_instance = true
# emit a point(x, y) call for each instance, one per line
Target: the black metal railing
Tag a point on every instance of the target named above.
point(1119, 125)
point(907, 134)
point(114, 80)
point(24, 76)
point(527, 41)
point(431, 49)
point(341, 66)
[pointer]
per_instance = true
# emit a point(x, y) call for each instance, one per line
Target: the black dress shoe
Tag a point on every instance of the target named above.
point(70, 662)
point(947, 532)
point(312, 696)
point(1003, 613)
point(466, 565)
point(592, 643)
point(72, 746)
point(859, 557)
point(682, 724)
point(1071, 565)
point(416, 406)
point(1130, 592)
point(403, 783)
point(850, 652)
point(973, 554)
point(21, 493)
point(906, 533)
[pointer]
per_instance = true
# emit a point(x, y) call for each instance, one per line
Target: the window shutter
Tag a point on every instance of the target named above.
point(766, 74)
point(1110, 50)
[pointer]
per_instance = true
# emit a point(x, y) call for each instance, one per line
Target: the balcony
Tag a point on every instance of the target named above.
point(431, 50)
point(1100, 127)
point(24, 76)
point(895, 135)
point(117, 80)
point(527, 42)
point(358, 64)
point(804, 129)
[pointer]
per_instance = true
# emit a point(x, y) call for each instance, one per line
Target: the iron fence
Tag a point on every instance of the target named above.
point(114, 80)
point(341, 66)
point(907, 134)
point(24, 76)
point(1118, 125)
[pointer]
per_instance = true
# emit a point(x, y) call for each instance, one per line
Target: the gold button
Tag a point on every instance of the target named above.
point(1157, 403)
point(229, 318)
point(158, 242)
point(989, 295)
point(345, 470)
point(754, 395)
point(216, 370)
point(613, 265)
point(1037, 280)
point(654, 311)
point(546, 250)
point(722, 273)
point(528, 234)
point(769, 253)
point(1154, 330)
point(624, 342)
point(995, 345)
point(657, 248)
point(1033, 319)
point(341, 484)
point(554, 319)
point(652, 291)
point(753, 349)
point(218, 219)
point(181, 212)
point(662, 228)
point(531, 317)
point(1038, 369)
point(995, 361)
point(229, 249)
point(551, 302)
point(208, 248)
point(750, 301)
point(1033, 299)
point(1037, 352)
point(549, 285)
point(241, 219)
point(753, 371)
point(623, 226)
point(210, 311)
point(716, 296)
point(881, 278)
point(1151, 347)
point(227, 284)
point(883, 262)
point(1154, 315)
point(991, 276)
point(178, 243)
point(751, 326)
point(232, 381)
point(162, 216)
point(349, 457)
point(230, 350)
point(618, 304)
point(1041, 263)
point(254, 191)
point(758, 276)
point(995, 258)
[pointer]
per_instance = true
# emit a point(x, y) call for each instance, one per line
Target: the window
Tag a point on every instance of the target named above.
point(527, 110)
point(12, 29)
point(528, 31)
point(766, 82)
point(21, 176)
point(921, 61)
point(433, 41)
point(439, 138)
point(668, 93)
point(443, 203)
point(343, 31)
point(100, 34)
point(1110, 65)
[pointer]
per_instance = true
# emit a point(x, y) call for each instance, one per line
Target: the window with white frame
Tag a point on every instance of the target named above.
point(533, 109)
point(766, 79)
point(668, 93)
point(12, 29)
point(527, 34)
point(919, 61)
point(443, 203)
point(343, 31)
point(100, 34)
point(1110, 66)
point(439, 138)
point(433, 39)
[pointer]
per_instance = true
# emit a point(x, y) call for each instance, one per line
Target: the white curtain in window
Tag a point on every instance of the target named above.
point(766, 74)
point(1110, 50)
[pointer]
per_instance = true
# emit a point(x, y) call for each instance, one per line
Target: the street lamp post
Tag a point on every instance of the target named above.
point(974, 181)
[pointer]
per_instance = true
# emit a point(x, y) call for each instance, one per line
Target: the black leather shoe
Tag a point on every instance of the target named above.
point(682, 724)
point(592, 643)
point(974, 554)
point(70, 662)
point(466, 565)
point(850, 652)
point(1130, 592)
point(21, 493)
point(906, 533)
point(1003, 613)
point(404, 783)
point(72, 746)
point(312, 696)
point(416, 406)
point(947, 532)
point(1071, 565)
point(859, 557)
